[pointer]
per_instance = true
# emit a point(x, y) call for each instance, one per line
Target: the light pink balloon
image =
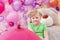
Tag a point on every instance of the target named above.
point(12, 17)
point(16, 5)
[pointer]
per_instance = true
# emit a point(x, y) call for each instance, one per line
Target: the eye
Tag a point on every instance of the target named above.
point(32, 18)
point(36, 17)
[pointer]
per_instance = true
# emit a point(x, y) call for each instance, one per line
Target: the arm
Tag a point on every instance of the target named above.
point(46, 35)
point(29, 28)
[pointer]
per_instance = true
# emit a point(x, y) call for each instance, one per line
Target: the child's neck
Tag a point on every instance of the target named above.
point(37, 24)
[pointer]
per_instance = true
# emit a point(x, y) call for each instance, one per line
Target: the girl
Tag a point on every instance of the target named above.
point(36, 26)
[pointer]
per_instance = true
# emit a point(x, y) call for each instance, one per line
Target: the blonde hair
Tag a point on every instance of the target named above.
point(33, 13)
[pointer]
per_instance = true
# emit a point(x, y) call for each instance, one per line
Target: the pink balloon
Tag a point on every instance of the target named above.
point(2, 7)
point(29, 2)
point(19, 34)
point(1, 18)
point(22, 1)
point(12, 18)
point(40, 1)
point(25, 17)
point(16, 5)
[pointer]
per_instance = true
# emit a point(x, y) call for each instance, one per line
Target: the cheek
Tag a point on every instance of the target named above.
point(40, 18)
point(32, 20)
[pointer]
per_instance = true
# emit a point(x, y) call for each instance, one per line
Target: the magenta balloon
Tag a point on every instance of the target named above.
point(19, 34)
point(2, 7)
point(10, 1)
point(11, 24)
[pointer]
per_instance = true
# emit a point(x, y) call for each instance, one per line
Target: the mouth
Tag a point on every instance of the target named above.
point(36, 21)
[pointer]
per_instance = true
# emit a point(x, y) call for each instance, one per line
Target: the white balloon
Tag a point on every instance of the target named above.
point(2, 27)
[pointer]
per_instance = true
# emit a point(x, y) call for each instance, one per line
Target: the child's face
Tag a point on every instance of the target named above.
point(36, 19)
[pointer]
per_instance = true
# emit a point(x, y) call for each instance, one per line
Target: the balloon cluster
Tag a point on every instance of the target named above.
point(23, 6)
point(20, 5)
point(10, 17)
